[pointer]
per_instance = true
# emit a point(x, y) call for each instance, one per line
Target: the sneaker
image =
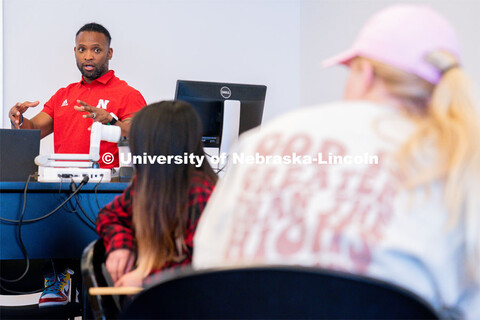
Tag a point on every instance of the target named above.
point(56, 289)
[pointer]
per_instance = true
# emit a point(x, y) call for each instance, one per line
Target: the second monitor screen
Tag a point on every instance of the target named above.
point(210, 113)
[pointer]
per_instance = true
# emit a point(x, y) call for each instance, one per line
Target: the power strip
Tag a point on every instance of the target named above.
point(50, 174)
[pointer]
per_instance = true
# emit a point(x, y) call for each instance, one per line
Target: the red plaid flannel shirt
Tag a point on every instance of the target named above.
point(114, 221)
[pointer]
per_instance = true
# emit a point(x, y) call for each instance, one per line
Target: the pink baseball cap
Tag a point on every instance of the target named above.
point(402, 36)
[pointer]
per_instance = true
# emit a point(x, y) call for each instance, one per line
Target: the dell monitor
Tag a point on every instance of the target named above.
point(226, 109)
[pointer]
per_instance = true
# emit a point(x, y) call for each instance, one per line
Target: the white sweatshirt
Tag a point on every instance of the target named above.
point(320, 187)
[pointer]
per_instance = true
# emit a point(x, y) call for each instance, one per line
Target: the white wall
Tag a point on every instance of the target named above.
point(279, 43)
point(155, 43)
point(330, 26)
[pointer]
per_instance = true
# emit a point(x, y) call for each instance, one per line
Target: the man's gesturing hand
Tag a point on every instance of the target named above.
point(97, 114)
point(16, 113)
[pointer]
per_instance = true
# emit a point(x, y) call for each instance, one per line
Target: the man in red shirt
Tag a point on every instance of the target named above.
point(101, 94)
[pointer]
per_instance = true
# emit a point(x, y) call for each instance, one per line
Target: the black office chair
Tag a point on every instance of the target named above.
point(280, 292)
point(93, 274)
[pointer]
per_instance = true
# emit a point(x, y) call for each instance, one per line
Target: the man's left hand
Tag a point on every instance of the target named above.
point(97, 114)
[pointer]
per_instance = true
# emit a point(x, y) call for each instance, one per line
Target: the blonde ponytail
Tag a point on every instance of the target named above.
point(447, 133)
point(453, 117)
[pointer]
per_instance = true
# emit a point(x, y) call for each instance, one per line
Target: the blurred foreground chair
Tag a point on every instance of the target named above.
point(93, 274)
point(279, 292)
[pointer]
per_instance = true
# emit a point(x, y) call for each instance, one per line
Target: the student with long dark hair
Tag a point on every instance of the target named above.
point(151, 225)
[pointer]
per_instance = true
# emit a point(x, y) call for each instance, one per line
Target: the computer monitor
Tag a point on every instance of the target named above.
point(18, 149)
point(226, 109)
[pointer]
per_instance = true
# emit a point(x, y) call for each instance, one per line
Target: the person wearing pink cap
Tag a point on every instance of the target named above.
point(383, 184)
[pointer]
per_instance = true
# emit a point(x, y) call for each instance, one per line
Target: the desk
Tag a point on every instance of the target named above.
point(63, 234)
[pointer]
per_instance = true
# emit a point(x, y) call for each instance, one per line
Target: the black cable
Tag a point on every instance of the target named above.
point(34, 291)
point(83, 211)
point(91, 226)
point(68, 206)
point(96, 187)
point(53, 211)
point(216, 171)
point(71, 208)
point(73, 187)
point(21, 292)
point(22, 246)
point(223, 168)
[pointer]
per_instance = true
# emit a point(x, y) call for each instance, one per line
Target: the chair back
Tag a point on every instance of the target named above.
point(280, 292)
point(92, 265)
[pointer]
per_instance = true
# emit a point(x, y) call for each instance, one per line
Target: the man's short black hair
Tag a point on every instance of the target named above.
point(95, 27)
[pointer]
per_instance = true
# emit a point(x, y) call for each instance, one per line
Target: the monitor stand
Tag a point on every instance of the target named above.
point(218, 156)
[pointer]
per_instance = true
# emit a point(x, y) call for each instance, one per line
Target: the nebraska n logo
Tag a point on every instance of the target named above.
point(102, 104)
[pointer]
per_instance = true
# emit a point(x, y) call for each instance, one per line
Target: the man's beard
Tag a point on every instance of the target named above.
point(95, 73)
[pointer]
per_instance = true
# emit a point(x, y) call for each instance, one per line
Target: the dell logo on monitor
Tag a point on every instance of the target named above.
point(225, 92)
